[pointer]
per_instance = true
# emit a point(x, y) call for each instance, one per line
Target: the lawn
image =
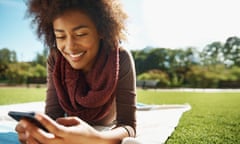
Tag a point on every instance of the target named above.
point(213, 119)
point(10, 95)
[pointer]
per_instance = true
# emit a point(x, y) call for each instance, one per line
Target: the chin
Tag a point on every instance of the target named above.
point(76, 67)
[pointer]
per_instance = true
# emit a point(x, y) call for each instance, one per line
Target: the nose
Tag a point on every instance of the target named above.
point(70, 44)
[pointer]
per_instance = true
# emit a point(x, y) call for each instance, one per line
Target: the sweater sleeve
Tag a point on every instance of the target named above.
point(52, 108)
point(126, 91)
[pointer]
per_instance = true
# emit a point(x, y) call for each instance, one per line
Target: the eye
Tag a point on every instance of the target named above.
point(60, 36)
point(81, 34)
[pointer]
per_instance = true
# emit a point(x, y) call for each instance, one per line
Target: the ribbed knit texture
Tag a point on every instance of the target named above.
point(87, 96)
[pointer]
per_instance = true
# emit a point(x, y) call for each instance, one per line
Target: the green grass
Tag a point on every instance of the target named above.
point(213, 119)
point(12, 95)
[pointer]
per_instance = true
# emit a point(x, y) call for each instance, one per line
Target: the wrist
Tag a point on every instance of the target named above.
point(107, 138)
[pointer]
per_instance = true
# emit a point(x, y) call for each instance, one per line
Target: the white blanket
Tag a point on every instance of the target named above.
point(155, 123)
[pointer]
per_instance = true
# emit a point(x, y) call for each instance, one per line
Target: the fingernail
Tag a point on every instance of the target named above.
point(38, 117)
point(23, 124)
point(27, 134)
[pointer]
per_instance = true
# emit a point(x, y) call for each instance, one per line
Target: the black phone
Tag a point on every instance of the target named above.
point(27, 115)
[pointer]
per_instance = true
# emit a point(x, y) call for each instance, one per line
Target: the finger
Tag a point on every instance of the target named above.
point(22, 137)
point(41, 137)
point(68, 121)
point(26, 137)
point(21, 132)
point(31, 140)
point(36, 135)
point(51, 125)
point(19, 128)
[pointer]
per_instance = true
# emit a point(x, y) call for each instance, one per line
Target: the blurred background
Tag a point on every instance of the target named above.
point(186, 43)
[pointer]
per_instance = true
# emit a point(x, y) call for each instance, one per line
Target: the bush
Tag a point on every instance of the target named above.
point(206, 77)
point(18, 73)
point(157, 75)
point(232, 79)
point(38, 71)
point(176, 81)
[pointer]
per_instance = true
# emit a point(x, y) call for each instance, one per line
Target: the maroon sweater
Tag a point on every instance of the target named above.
point(124, 106)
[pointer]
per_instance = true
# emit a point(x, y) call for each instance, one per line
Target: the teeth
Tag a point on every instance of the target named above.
point(76, 55)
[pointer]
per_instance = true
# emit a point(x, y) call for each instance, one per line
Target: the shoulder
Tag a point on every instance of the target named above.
point(125, 56)
point(126, 62)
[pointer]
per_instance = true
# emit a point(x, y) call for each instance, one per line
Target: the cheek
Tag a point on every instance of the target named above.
point(86, 43)
point(89, 43)
point(60, 45)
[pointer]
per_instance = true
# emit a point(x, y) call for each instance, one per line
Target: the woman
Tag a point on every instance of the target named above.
point(91, 79)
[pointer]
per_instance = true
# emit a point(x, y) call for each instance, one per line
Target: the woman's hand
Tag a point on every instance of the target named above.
point(71, 130)
point(21, 132)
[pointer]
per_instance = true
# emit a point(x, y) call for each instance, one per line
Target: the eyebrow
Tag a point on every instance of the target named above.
point(74, 29)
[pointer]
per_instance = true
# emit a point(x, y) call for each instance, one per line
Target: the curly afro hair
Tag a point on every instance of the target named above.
point(108, 16)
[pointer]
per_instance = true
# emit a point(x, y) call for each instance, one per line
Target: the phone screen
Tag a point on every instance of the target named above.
point(27, 115)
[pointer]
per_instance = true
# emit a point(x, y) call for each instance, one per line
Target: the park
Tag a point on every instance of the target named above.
point(202, 80)
point(213, 118)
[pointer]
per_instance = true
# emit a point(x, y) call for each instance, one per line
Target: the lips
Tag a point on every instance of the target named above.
point(76, 56)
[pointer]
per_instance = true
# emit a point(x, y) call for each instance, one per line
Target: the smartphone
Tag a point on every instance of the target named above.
point(27, 115)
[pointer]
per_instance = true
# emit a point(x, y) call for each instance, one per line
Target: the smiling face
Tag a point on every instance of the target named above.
point(77, 39)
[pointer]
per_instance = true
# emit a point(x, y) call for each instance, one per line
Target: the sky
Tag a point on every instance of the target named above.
point(154, 23)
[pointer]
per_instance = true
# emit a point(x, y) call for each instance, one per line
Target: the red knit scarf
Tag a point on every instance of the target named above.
point(87, 96)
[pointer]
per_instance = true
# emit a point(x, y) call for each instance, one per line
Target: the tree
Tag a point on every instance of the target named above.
point(191, 57)
point(212, 54)
point(139, 58)
point(41, 58)
point(231, 50)
point(17, 73)
point(156, 59)
point(151, 58)
point(6, 57)
point(156, 75)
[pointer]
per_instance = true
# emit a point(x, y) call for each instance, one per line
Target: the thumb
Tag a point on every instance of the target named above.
point(68, 121)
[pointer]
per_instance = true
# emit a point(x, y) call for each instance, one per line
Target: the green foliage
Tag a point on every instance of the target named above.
point(161, 77)
point(234, 74)
point(231, 50)
point(176, 80)
point(215, 66)
point(222, 53)
point(212, 54)
point(6, 57)
point(41, 58)
point(17, 73)
point(210, 77)
point(201, 77)
point(14, 72)
point(149, 58)
point(167, 60)
point(38, 71)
